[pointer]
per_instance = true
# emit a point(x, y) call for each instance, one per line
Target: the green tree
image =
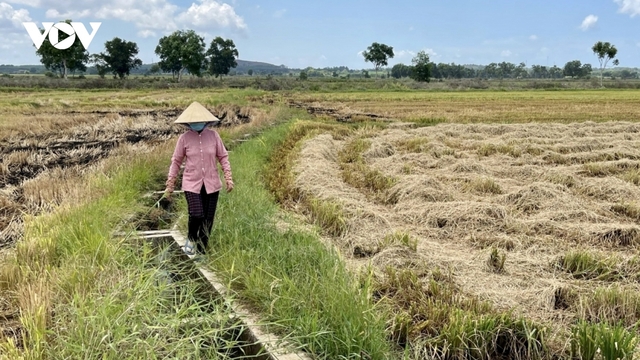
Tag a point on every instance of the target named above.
point(605, 52)
point(100, 64)
point(490, 70)
point(155, 69)
point(250, 72)
point(222, 56)
point(378, 55)
point(182, 50)
point(521, 71)
point(421, 67)
point(303, 75)
point(555, 72)
point(120, 57)
point(506, 69)
point(539, 71)
point(576, 69)
point(63, 61)
point(585, 70)
point(401, 70)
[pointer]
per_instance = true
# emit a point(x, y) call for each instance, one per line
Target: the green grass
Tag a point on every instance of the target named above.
point(483, 186)
point(328, 215)
point(606, 341)
point(613, 304)
point(628, 209)
point(83, 294)
point(290, 276)
point(398, 238)
point(496, 260)
point(415, 144)
point(433, 319)
point(586, 265)
point(357, 173)
point(506, 149)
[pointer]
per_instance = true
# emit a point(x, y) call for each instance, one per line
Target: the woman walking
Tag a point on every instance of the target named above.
point(201, 183)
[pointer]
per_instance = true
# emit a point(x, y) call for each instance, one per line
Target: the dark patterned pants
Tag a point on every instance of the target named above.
point(202, 211)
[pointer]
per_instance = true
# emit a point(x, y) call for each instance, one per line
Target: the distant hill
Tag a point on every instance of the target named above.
point(263, 68)
point(259, 68)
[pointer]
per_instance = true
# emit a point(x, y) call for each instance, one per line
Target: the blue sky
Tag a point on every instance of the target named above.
point(333, 33)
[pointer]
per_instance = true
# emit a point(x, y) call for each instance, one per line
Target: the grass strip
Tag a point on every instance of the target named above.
point(83, 294)
point(289, 275)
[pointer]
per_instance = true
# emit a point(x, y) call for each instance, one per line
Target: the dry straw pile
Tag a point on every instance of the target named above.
point(516, 196)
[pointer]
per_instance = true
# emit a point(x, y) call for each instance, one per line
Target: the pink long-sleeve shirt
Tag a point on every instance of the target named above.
point(201, 150)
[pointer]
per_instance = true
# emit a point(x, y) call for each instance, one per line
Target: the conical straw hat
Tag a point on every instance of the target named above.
point(196, 113)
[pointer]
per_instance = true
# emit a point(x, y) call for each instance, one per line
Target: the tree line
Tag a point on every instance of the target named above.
point(184, 51)
point(179, 52)
point(422, 69)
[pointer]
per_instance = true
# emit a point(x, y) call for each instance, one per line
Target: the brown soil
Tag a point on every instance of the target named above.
point(474, 187)
point(340, 113)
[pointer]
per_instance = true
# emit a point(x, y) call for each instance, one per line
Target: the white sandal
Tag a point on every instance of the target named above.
point(188, 248)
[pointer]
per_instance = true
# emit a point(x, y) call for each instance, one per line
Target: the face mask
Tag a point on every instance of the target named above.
point(197, 126)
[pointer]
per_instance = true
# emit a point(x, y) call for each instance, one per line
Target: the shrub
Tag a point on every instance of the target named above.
point(496, 261)
point(612, 342)
point(584, 265)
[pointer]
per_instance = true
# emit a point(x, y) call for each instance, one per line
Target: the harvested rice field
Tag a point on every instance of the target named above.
point(538, 221)
point(40, 164)
point(469, 225)
point(474, 106)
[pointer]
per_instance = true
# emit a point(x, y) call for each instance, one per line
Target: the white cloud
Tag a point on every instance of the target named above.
point(411, 54)
point(55, 14)
point(146, 33)
point(149, 16)
point(589, 22)
point(430, 52)
point(14, 41)
point(32, 3)
point(212, 14)
point(280, 13)
point(12, 19)
point(533, 37)
point(404, 53)
point(631, 7)
point(505, 53)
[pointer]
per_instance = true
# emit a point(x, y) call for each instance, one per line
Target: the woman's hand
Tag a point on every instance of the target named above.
point(229, 186)
point(171, 183)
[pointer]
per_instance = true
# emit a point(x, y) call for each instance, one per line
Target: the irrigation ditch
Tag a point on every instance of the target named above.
point(252, 339)
point(33, 156)
point(28, 156)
